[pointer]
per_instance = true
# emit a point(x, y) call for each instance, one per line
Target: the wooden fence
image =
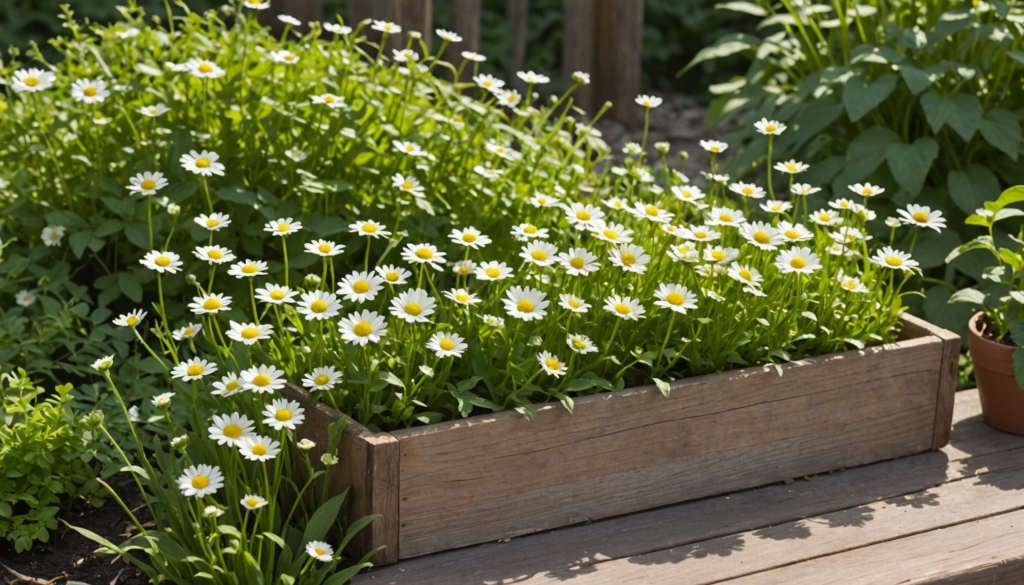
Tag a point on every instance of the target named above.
point(600, 37)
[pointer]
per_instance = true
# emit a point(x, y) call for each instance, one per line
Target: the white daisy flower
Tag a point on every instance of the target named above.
point(684, 253)
point(803, 189)
point(289, 20)
point(580, 344)
point(617, 203)
point(701, 233)
point(168, 262)
point(630, 258)
point(715, 178)
point(725, 216)
point(464, 267)
point(322, 551)
point(688, 193)
point(745, 275)
point(462, 297)
point(922, 217)
point(866, 190)
point(369, 229)
point(791, 167)
point(147, 183)
point(470, 237)
point(895, 222)
point(163, 400)
point(187, 332)
point(615, 233)
point(448, 36)
point(386, 27)
point(275, 294)
point(296, 154)
point(624, 307)
point(228, 385)
point(801, 260)
point(413, 306)
point(539, 253)
point(794, 232)
point(773, 206)
point(542, 200)
point(250, 333)
point(470, 55)
point(214, 221)
point(713, 146)
point(256, 4)
point(363, 327)
point(846, 205)
point(130, 319)
point(251, 502)
point(248, 269)
point(318, 305)
point(202, 163)
point(408, 184)
point(493, 321)
point(32, 80)
point(510, 98)
point(550, 364)
point(89, 91)
point(263, 379)
point(405, 55)
point(720, 254)
point(573, 303)
point(282, 226)
point(747, 190)
point(213, 254)
point(52, 235)
point(322, 378)
point(847, 235)
point(500, 150)
point(101, 365)
point(525, 303)
point(154, 111)
point(228, 429)
point(210, 303)
point(493, 271)
point(650, 212)
point(283, 56)
point(447, 345)
point(579, 262)
point(324, 248)
point(894, 259)
point(360, 286)
point(851, 283)
point(423, 254)
point(770, 127)
point(200, 480)
point(526, 231)
point(487, 173)
point(283, 414)
point(393, 275)
point(648, 101)
point(534, 78)
point(825, 217)
point(258, 448)
point(488, 82)
point(409, 148)
point(761, 235)
point(328, 99)
point(675, 297)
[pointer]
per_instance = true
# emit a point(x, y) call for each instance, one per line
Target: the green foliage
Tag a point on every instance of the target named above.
point(50, 454)
point(922, 98)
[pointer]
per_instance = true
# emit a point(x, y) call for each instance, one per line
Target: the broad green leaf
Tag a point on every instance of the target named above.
point(1002, 130)
point(970, 189)
point(869, 149)
point(860, 95)
point(968, 295)
point(918, 80)
point(663, 386)
point(78, 242)
point(1007, 213)
point(727, 45)
point(979, 243)
point(962, 112)
point(910, 163)
point(875, 54)
point(130, 286)
point(745, 7)
point(322, 520)
point(950, 23)
point(1007, 197)
point(932, 247)
point(236, 195)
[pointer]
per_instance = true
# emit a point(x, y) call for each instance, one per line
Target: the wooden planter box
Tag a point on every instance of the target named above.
point(498, 475)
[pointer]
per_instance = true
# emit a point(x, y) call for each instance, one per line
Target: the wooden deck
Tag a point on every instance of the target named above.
point(949, 516)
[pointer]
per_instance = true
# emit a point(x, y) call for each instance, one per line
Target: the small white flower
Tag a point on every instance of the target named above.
point(284, 56)
point(866, 190)
point(801, 260)
point(720, 254)
point(713, 146)
point(322, 378)
point(101, 365)
point(488, 82)
point(770, 127)
point(550, 364)
point(214, 221)
point(534, 78)
point(228, 385)
point(470, 237)
point(448, 36)
point(318, 305)
point(386, 27)
point(369, 229)
point(32, 80)
point(282, 227)
point(464, 267)
point(675, 297)
point(413, 306)
point(423, 254)
point(825, 217)
point(283, 414)
point(791, 167)
point(462, 297)
point(168, 262)
point(747, 190)
point(894, 259)
point(803, 189)
point(251, 502)
point(52, 235)
point(202, 163)
point(193, 369)
point(447, 345)
point(487, 173)
point(248, 269)
point(745, 275)
point(263, 379)
point(250, 333)
point(624, 307)
point(213, 254)
point(470, 55)
point(324, 248)
point(573, 303)
point(761, 235)
point(581, 78)
point(687, 192)
point(539, 253)
point(187, 332)
point(89, 91)
point(360, 286)
point(525, 303)
point(922, 217)
point(493, 271)
point(579, 262)
point(363, 327)
point(163, 400)
point(204, 69)
point(630, 258)
point(701, 233)
point(409, 148)
point(773, 206)
point(408, 184)
point(580, 344)
point(493, 321)
point(725, 216)
point(200, 480)
point(130, 319)
point(210, 303)
point(147, 183)
point(154, 111)
point(852, 284)
point(526, 231)
point(648, 101)
point(228, 429)
point(510, 98)
point(322, 551)
point(794, 232)
point(289, 20)
point(258, 448)
point(393, 275)
point(328, 99)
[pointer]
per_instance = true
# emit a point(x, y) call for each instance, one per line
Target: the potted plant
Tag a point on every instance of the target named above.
point(996, 332)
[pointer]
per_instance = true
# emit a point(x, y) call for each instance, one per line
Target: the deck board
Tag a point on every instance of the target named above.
point(784, 532)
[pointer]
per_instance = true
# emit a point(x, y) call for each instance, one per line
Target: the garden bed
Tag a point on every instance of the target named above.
point(499, 475)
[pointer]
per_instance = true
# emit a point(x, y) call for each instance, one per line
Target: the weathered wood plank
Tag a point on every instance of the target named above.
point(990, 550)
point(578, 48)
point(518, 14)
point(618, 44)
point(530, 559)
point(947, 381)
point(488, 477)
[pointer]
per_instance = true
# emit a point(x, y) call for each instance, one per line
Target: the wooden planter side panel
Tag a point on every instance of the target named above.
point(914, 328)
point(500, 475)
point(368, 467)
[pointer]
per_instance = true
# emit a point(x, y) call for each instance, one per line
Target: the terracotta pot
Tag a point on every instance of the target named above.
point(1002, 400)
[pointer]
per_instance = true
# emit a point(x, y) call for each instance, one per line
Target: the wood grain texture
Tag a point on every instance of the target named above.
point(578, 48)
point(975, 449)
point(618, 41)
point(500, 475)
point(368, 467)
point(915, 327)
point(518, 15)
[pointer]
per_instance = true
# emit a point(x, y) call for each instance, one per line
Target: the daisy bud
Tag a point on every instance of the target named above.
point(174, 209)
point(191, 279)
point(581, 78)
point(305, 444)
point(328, 459)
point(683, 155)
point(414, 34)
point(662, 147)
point(312, 280)
point(94, 420)
point(212, 512)
point(306, 350)
point(179, 443)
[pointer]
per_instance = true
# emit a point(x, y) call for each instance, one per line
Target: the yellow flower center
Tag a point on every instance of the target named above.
point(211, 304)
point(622, 309)
point(31, 81)
point(748, 191)
point(232, 431)
point(283, 415)
point(188, 331)
point(769, 128)
point(627, 259)
point(577, 263)
point(849, 284)
point(674, 299)
point(277, 294)
point(283, 227)
point(322, 379)
point(920, 217)
point(792, 234)
point(725, 217)
point(865, 192)
point(447, 344)
point(195, 370)
point(844, 203)
point(362, 329)
point(469, 238)
point(413, 309)
point(791, 168)
point(89, 91)
point(200, 481)
point(762, 238)
point(203, 163)
point(463, 269)
point(579, 343)
point(152, 111)
point(390, 276)
point(318, 306)
point(407, 185)
point(824, 217)
point(462, 298)
point(718, 255)
point(700, 235)
point(362, 286)
point(410, 148)
point(539, 255)
point(163, 261)
point(231, 386)
point(574, 304)
point(324, 248)
point(776, 207)
point(583, 216)
point(369, 228)
point(212, 223)
point(424, 254)
point(492, 272)
point(745, 274)
point(524, 306)
point(250, 333)
point(320, 551)
point(893, 261)
point(261, 380)
point(542, 201)
point(132, 320)
point(289, 57)
point(205, 68)
point(532, 230)
point(250, 269)
point(252, 502)
point(611, 234)
point(552, 364)
point(259, 450)
point(328, 99)
point(215, 254)
point(148, 185)
point(651, 210)
point(798, 263)
point(714, 149)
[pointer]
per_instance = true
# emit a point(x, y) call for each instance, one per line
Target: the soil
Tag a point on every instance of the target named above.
point(68, 556)
point(988, 332)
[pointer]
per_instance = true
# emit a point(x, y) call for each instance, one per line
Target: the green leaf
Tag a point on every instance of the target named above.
point(962, 112)
point(1007, 197)
point(869, 149)
point(910, 163)
point(727, 45)
point(237, 195)
point(1018, 365)
point(860, 95)
point(918, 80)
point(1002, 130)
point(875, 54)
point(322, 520)
point(130, 286)
point(138, 234)
point(149, 69)
point(970, 189)
point(745, 7)
point(968, 295)
point(663, 386)
point(78, 241)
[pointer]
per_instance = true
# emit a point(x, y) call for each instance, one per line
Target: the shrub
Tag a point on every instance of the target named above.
point(922, 98)
point(50, 454)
